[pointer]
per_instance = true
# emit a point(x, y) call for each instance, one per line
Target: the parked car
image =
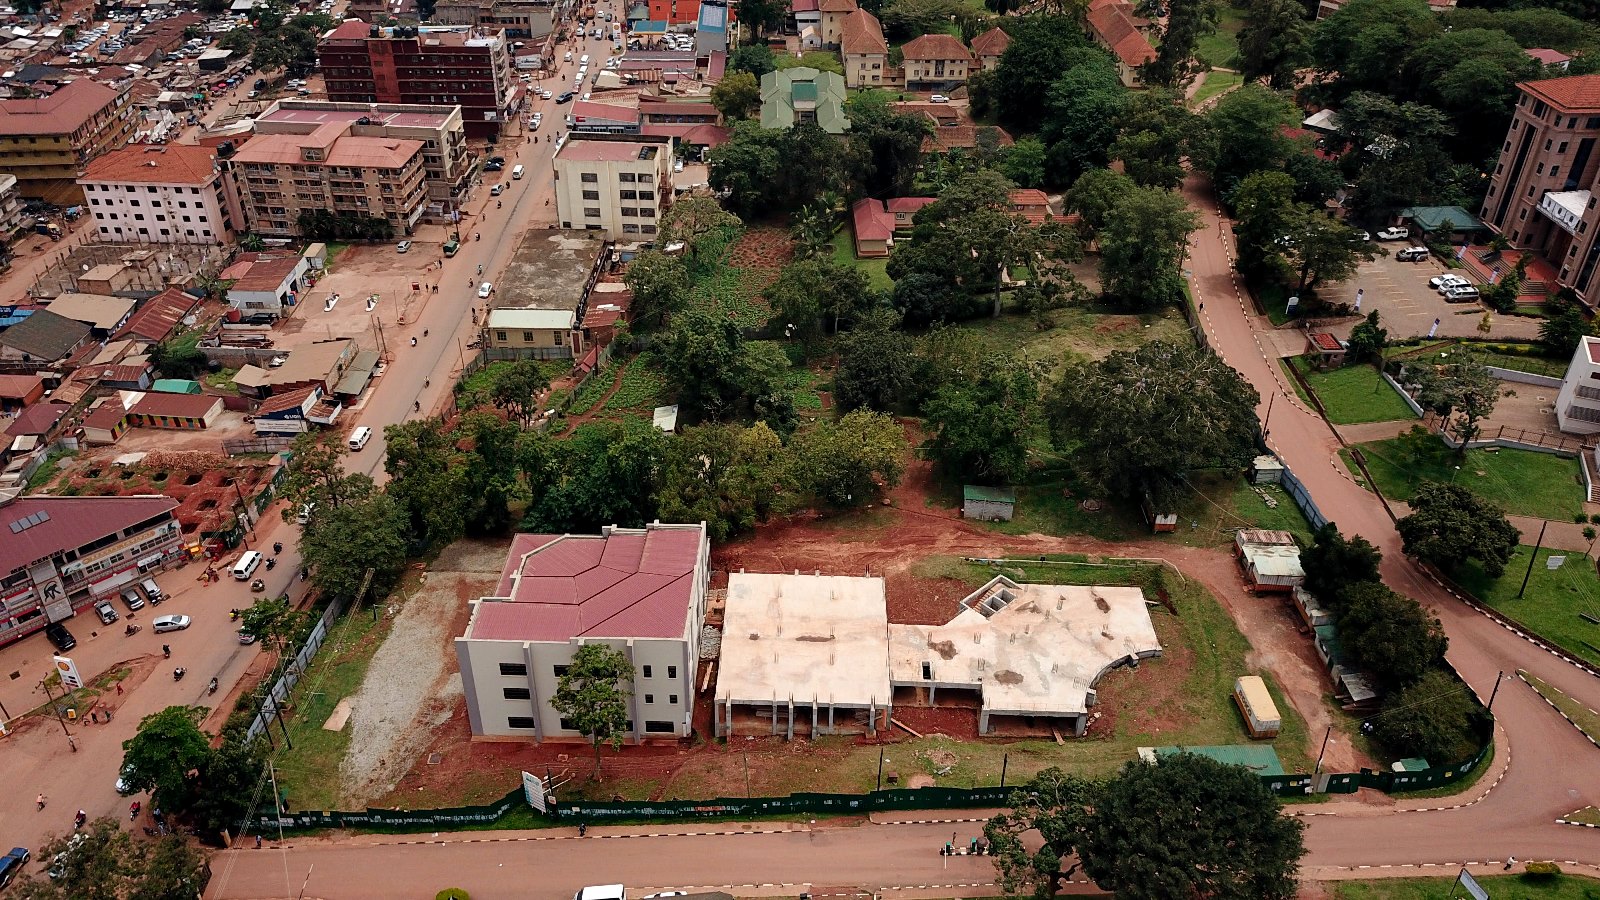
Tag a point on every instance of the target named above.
point(1461, 293)
point(170, 623)
point(566, 97)
point(245, 637)
point(12, 863)
point(938, 98)
point(484, 290)
point(60, 636)
point(105, 612)
point(402, 247)
point(1412, 254)
point(1442, 283)
point(1397, 233)
point(493, 167)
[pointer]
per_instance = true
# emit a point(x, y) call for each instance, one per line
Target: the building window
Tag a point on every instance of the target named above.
point(516, 693)
point(647, 195)
point(560, 671)
point(1562, 148)
point(627, 228)
point(500, 335)
point(513, 669)
point(527, 337)
point(1539, 169)
point(647, 179)
point(673, 699)
point(519, 722)
point(591, 195)
point(626, 177)
point(657, 727)
point(569, 725)
point(672, 671)
point(588, 177)
point(629, 212)
point(557, 336)
point(1554, 171)
point(591, 212)
point(647, 672)
point(628, 195)
point(649, 698)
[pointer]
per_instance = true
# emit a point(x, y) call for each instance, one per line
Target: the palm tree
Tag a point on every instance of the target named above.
point(812, 229)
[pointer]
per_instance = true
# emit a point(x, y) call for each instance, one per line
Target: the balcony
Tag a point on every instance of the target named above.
point(1565, 208)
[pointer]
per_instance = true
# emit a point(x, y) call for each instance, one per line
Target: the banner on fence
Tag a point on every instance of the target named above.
point(1466, 882)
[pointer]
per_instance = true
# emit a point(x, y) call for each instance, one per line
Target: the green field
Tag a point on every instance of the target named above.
point(1522, 482)
point(1081, 333)
point(1217, 81)
point(1352, 394)
point(1501, 887)
point(1554, 602)
point(1587, 720)
point(1219, 47)
point(1520, 357)
point(844, 253)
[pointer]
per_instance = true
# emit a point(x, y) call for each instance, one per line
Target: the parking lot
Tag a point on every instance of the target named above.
point(1400, 293)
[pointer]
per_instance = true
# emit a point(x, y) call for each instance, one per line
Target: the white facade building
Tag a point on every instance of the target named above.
point(1578, 403)
point(157, 193)
point(620, 187)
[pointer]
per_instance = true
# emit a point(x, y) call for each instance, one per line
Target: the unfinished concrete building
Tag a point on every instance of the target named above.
point(803, 655)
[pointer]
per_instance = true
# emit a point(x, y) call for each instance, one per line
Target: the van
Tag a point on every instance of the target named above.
point(1412, 254)
point(247, 564)
point(152, 591)
point(583, 60)
point(130, 597)
point(602, 892)
point(516, 172)
point(359, 438)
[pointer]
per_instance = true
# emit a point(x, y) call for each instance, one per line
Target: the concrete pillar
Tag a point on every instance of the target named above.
point(931, 689)
point(872, 717)
point(774, 715)
point(1079, 725)
point(813, 716)
point(983, 721)
point(789, 726)
point(830, 718)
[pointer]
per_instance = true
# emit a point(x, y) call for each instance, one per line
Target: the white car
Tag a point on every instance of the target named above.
point(170, 623)
point(1442, 283)
point(938, 98)
point(1397, 233)
point(1363, 236)
point(402, 247)
point(484, 290)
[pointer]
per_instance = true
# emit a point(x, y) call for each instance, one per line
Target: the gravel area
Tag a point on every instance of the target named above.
point(413, 682)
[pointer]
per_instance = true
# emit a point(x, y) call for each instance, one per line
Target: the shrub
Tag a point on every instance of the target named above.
point(451, 894)
point(1541, 871)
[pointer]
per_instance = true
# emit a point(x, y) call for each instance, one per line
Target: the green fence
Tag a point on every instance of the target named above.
point(738, 807)
point(419, 820)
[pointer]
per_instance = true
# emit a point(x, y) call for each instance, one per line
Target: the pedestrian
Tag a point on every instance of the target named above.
point(583, 828)
point(108, 715)
point(119, 689)
point(258, 842)
point(1510, 861)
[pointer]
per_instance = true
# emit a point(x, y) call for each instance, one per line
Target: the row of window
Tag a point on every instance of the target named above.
point(651, 726)
point(145, 232)
point(627, 212)
point(134, 188)
point(522, 668)
point(139, 217)
point(624, 177)
point(154, 204)
point(622, 195)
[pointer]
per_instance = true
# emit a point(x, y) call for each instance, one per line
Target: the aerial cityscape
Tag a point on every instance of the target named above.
point(470, 449)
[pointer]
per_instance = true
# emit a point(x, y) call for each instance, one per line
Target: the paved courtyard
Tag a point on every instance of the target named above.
point(1400, 293)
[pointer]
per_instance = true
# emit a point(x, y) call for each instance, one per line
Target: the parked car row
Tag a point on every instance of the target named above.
point(1454, 288)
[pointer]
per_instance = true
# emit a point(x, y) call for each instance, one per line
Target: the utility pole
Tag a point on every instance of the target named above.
point(45, 683)
point(277, 803)
point(1532, 558)
point(1492, 694)
point(1325, 736)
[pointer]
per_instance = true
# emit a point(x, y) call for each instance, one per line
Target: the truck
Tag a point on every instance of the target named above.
point(451, 246)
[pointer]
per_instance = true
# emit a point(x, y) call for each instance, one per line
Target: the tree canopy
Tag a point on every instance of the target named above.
point(1142, 244)
point(592, 694)
point(1449, 524)
point(104, 862)
point(1433, 718)
point(845, 463)
point(1389, 635)
point(982, 429)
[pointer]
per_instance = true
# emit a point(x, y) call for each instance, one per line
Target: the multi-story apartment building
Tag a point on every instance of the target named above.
point(61, 554)
point(619, 186)
point(160, 193)
point(640, 590)
point(864, 51)
point(1542, 193)
point(331, 170)
point(521, 19)
point(446, 159)
point(10, 206)
point(457, 65)
point(1578, 402)
point(46, 141)
point(936, 62)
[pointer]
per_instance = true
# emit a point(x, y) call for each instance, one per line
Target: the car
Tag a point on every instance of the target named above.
point(498, 159)
point(170, 623)
point(12, 863)
point(493, 167)
point(60, 636)
point(1412, 254)
point(586, 95)
point(533, 124)
point(1396, 233)
point(484, 290)
point(566, 97)
point(58, 865)
point(1461, 293)
point(245, 637)
point(105, 612)
point(1442, 283)
point(1362, 236)
point(305, 513)
point(938, 98)
point(545, 93)
point(402, 247)
point(498, 188)
point(259, 319)
point(124, 783)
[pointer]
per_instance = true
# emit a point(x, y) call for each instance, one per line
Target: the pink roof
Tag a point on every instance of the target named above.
point(605, 151)
point(72, 522)
point(37, 419)
point(1547, 56)
point(872, 220)
point(1593, 346)
point(630, 583)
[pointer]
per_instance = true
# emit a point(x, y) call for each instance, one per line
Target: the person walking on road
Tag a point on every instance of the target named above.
point(40, 801)
point(1510, 861)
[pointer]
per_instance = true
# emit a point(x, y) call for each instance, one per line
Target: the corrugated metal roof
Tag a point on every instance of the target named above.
point(990, 494)
point(556, 319)
point(71, 523)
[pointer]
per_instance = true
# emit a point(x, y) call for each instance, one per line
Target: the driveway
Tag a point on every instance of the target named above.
point(1400, 293)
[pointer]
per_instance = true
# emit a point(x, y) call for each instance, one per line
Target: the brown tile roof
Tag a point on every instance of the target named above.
point(1031, 204)
point(287, 400)
point(1116, 28)
point(860, 34)
point(266, 273)
point(838, 6)
point(935, 46)
point(961, 136)
point(872, 221)
point(176, 406)
point(107, 415)
point(991, 43)
point(154, 164)
point(15, 387)
point(1575, 93)
point(63, 112)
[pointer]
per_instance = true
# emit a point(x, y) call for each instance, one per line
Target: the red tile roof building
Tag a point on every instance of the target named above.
point(158, 193)
point(936, 61)
point(154, 321)
point(180, 412)
point(964, 137)
point(864, 51)
point(46, 141)
point(68, 552)
point(280, 175)
point(990, 46)
point(1113, 26)
point(641, 590)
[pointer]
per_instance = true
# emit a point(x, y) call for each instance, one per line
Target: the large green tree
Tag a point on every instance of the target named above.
point(982, 429)
point(1464, 392)
point(592, 694)
point(1434, 718)
point(165, 749)
point(1245, 134)
point(1263, 209)
point(846, 463)
point(885, 146)
point(737, 96)
point(770, 171)
point(1272, 43)
point(1154, 135)
point(1449, 524)
point(730, 477)
point(427, 478)
point(1142, 245)
point(1081, 113)
point(715, 371)
point(1389, 635)
point(1042, 47)
point(341, 544)
point(877, 368)
point(1142, 420)
point(660, 285)
point(604, 473)
point(316, 475)
point(1095, 194)
point(1320, 248)
point(1334, 562)
point(812, 296)
point(1187, 22)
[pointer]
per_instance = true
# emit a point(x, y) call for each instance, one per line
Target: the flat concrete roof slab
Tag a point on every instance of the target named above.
point(805, 638)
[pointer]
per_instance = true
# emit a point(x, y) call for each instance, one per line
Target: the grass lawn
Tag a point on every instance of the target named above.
point(1520, 357)
point(309, 774)
point(1219, 47)
point(1081, 333)
point(1588, 720)
point(1553, 601)
point(1201, 642)
point(48, 469)
point(844, 253)
point(1216, 82)
point(1587, 816)
point(1520, 887)
point(1353, 394)
point(1522, 482)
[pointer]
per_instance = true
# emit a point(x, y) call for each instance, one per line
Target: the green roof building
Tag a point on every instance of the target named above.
point(801, 94)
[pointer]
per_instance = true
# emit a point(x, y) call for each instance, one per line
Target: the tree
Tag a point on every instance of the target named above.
point(729, 477)
point(812, 292)
point(1263, 203)
point(1154, 135)
point(1244, 135)
point(340, 544)
point(1334, 563)
point(604, 473)
point(660, 286)
point(714, 370)
point(159, 757)
point(592, 694)
point(1449, 525)
point(100, 865)
point(231, 781)
point(1145, 237)
point(885, 146)
point(515, 388)
point(1189, 826)
point(491, 482)
point(692, 218)
point(1040, 50)
point(1094, 194)
point(1141, 420)
point(1081, 112)
point(906, 19)
point(1365, 42)
point(1368, 339)
point(877, 368)
point(427, 479)
point(1464, 393)
point(767, 172)
point(844, 463)
point(1321, 248)
point(169, 869)
point(1400, 152)
point(275, 622)
point(1565, 328)
point(1024, 163)
point(1434, 718)
point(737, 95)
point(316, 475)
point(923, 299)
point(761, 15)
point(1272, 43)
point(1055, 805)
point(1187, 22)
point(982, 429)
point(1389, 635)
point(812, 229)
point(754, 57)
point(178, 360)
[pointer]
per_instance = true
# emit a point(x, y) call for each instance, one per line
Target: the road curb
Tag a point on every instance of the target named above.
point(1560, 712)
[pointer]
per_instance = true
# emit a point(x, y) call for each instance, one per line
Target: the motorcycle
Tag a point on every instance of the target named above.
point(133, 811)
point(234, 614)
point(131, 630)
point(271, 561)
point(212, 687)
point(413, 342)
point(178, 673)
point(79, 819)
point(277, 547)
